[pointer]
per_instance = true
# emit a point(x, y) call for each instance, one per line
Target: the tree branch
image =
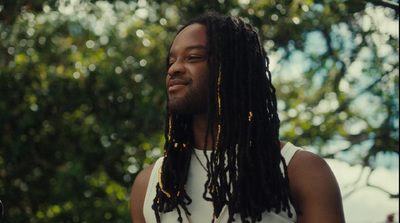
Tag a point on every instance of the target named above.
point(391, 195)
point(356, 186)
point(386, 3)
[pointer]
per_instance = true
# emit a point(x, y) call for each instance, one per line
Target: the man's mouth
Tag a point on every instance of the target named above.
point(175, 85)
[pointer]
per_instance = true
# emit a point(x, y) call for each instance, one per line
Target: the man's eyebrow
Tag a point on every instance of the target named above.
point(199, 46)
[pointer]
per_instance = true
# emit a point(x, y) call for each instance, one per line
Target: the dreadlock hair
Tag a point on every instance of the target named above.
point(244, 169)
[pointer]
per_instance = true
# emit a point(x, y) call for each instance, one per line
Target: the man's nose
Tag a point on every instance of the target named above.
point(177, 68)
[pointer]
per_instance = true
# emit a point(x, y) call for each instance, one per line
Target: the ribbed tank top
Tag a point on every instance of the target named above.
point(200, 209)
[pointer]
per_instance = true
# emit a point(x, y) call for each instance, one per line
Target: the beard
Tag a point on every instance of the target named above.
point(193, 102)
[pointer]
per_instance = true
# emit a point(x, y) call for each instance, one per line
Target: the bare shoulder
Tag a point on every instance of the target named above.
point(314, 189)
point(138, 194)
point(305, 162)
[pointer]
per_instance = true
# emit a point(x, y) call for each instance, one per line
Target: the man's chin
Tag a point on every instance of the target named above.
point(180, 109)
point(175, 106)
point(185, 106)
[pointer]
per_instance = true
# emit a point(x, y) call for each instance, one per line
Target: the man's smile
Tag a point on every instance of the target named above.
point(176, 84)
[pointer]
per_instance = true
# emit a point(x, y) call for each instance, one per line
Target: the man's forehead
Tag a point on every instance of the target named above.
point(191, 37)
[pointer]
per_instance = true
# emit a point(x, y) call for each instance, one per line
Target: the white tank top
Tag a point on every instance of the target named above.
point(200, 209)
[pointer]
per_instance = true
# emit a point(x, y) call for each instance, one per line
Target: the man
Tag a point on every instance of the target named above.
point(223, 159)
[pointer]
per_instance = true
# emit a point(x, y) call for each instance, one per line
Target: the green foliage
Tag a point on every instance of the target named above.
point(82, 96)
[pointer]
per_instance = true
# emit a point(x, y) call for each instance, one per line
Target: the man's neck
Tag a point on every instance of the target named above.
point(200, 123)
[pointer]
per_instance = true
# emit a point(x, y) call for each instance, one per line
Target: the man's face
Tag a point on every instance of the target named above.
point(187, 79)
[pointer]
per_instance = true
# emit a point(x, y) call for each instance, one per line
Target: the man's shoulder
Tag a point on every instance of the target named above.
point(306, 160)
point(314, 188)
point(307, 168)
point(138, 192)
point(143, 177)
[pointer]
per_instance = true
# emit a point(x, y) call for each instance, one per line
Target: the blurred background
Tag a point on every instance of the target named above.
point(82, 98)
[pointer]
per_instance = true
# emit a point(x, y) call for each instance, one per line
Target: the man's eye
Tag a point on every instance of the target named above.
point(194, 57)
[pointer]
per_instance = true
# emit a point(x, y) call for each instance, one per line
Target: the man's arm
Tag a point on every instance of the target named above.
point(138, 194)
point(314, 189)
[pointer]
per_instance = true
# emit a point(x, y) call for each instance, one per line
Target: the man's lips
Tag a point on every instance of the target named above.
point(175, 85)
point(173, 88)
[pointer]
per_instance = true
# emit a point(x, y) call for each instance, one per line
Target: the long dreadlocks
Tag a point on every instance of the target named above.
point(244, 167)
